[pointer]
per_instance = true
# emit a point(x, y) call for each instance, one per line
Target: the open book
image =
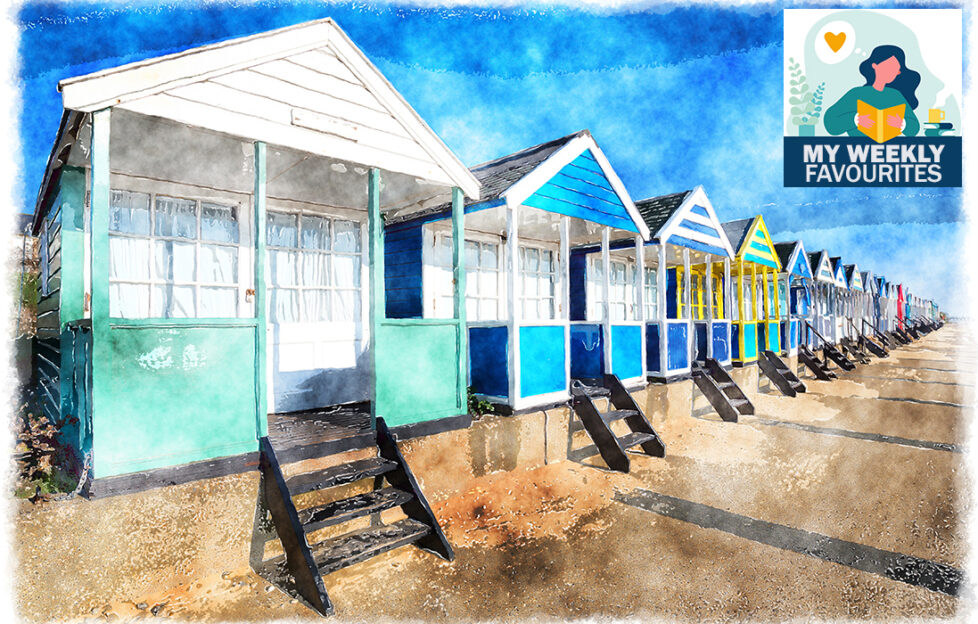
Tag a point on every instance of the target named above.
point(880, 132)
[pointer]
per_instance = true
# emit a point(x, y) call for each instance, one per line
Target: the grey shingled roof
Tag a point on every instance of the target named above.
point(813, 259)
point(850, 268)
point(498, 175)
point(657, 210)
point(784, 253)
point(736, 232)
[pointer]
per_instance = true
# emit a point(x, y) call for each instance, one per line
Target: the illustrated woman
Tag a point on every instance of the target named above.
point(889, 82)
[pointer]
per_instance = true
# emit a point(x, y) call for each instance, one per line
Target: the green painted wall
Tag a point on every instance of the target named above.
point(172, 395)
point(71, 196)
point(417, 376)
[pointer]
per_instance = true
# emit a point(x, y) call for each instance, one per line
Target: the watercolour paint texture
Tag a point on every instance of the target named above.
point(401, 312)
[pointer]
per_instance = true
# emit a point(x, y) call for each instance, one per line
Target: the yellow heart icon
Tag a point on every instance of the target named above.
point(835, 40)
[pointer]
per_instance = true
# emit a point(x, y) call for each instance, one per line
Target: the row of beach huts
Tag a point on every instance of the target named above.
point(392, 283)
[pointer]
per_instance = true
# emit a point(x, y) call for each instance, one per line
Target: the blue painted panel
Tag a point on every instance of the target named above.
point(586, 182)
point(672, 301)
point(542, 360)
point(626, 351)
point(587, 361)
point(700, 210)
point(721, 348)
point(489, 360)
point(652, 348)
point(773, 336)
point(682, 241)
point(795, 335)
point(677, 347)
point(801, 267)
point(581, 192)
point(751, 257)
point(699, 227)
point(578, 285)
point(750, 341)
point(761, 337)
point(735, 341)
point(402, 272)
point(701, 337)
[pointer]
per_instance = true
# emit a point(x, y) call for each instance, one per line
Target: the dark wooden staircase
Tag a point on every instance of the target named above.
point(818, 367)
point(851, 349)
point(598, 424)
point(721, 390)
point(300, 569)
point(780, 374)
point(899, 336)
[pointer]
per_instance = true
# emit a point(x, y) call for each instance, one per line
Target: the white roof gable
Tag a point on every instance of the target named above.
point(674, 225)
point(307, 87)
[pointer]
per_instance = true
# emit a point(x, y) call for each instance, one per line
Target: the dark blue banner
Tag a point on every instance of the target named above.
point(859, 161)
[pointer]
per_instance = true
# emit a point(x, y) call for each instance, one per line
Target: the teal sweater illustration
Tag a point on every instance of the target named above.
point(841, 116)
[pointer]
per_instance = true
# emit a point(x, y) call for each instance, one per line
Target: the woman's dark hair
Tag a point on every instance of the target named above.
point(908, 80)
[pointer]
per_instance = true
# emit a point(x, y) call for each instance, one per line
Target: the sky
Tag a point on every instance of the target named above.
point(675, 97)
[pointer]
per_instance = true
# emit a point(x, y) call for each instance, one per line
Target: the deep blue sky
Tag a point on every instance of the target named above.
point(675, 97)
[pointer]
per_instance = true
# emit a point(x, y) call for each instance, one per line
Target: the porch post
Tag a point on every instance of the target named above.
point(458, 262)
point(708, 287)
point(565, 294)
point(261, 336)
point(99, 270)
point(688, 292)
point(512, 301)
point(378, 312)
point(606, 290)
point(640, 299)
point(727, 295)
point(660, 276)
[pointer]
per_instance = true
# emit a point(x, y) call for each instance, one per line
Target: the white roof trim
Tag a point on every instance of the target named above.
point(541, 174)
point(793, 258)
point(696, 197)
point(142, 79)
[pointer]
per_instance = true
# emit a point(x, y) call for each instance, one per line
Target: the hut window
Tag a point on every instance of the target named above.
point(313, 268)
point(482, 275)
point(748, 299)
point(538, 278)
point(172, 257)
point(651, 295)
point(717, 295)
point(622, 284)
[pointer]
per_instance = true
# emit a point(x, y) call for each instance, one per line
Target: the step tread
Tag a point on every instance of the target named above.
point(336, 512)
point(738, 402)
point(343, 551)
point(339, 475)
point(613, 415)
point(635, 438)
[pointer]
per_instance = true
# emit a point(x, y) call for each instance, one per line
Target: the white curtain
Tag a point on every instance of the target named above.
point(128, 258)
point(129, 300)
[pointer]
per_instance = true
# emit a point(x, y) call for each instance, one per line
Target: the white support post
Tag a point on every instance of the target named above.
point(728, 304)
point(565, 293)
point(513, 303)
point(660, 276)
point(688, 308)
point(606, 289)
point(640, 296)
point(708, 286)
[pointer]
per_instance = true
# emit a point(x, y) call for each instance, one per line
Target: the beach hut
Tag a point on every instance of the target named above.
point(824, 299)
point(688, 275)
point(214, 287)
point(840, 311)
point(755, 310)
point(796, 294)
point(854, 300)
point(537, 242)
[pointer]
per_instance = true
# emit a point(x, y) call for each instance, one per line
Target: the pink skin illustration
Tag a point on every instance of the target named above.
point(886, 72)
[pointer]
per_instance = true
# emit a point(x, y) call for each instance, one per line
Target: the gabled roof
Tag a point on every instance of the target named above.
point(569, 176)
point(751, 242)
point(686, 219)
point(869, 283)
point(794, 259)
point(306, 87)
point(821, 267)
point(854, 279)
point(839, 272)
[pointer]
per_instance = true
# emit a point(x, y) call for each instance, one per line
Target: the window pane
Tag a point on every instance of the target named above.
point(175, 261)
point(176, 217)
point(472, 309)
point(529, 285)
point(488, 310)
point(533, 260)
point(219, 223)
point(315, 305)
point(490, 256)
point(129, 212)
point(218, 302)
point(315, 269)
point(315, 233)
point(282, 267)
point(129, 300)
point(218, 263)
point(171, 301)
point(471, 255)
point(283, 305)
point(546, 261)
point(471, 282)
point(346, 236)
point(443, 251)
point(346, 271)
point(128, 258)
point(281, 230)
point(345, 306)
point(489, 284)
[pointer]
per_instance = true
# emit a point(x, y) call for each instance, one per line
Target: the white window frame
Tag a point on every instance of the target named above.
point(555, 273)
point(651, 293)
point(439, 304)
point(240, 309)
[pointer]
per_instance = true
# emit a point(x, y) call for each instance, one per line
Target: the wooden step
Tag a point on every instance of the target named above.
point(635, 438)
point(608, 417)
point(336, 512)
point(339, 475)
point(343, 551)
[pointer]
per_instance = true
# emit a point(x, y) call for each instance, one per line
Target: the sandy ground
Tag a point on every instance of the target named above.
point(554, 542)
